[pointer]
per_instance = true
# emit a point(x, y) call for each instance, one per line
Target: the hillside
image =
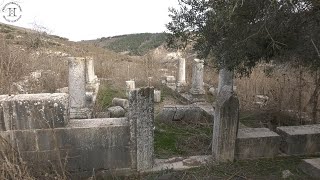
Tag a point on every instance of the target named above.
point(131, 44)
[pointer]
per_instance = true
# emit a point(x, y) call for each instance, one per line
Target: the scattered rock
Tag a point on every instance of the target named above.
point(116, 112)
point(124, 103)
point(286, 174)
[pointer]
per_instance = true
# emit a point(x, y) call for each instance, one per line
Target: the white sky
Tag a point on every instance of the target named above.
point(91, 19)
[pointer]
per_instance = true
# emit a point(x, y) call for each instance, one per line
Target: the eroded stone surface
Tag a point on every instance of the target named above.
point(257, 143)
point(141, 117)
point(311, 167)
point(33, 111)
point(226, 122)
point(197, 87)
point(300, 140)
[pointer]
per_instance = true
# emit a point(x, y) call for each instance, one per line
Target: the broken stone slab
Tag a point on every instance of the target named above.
point(300, 140)
point(311, 167)
point(124, 103)
point(254, 143)
point(33, 111)
point(116, 112)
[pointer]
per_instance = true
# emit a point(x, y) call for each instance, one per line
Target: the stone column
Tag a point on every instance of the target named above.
point(197, 78)
point(182, 72)
point(141, 119)
point(225, 128)
point(130, 85)
point(90, 74)
point(157, 96)
point(77, 88)
point(225, 79)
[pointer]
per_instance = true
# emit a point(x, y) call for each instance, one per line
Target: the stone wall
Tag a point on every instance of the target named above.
point(99, 146)
point(33, 111)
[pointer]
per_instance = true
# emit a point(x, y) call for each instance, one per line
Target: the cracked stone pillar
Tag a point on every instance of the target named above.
point(141, 118)
point(197, 78)
point(77, 88)
point(90, 74)
point(225, 79)
point(225, 128)
point(182, 72)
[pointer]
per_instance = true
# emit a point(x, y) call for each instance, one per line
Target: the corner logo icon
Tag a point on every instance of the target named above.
point(12, 12)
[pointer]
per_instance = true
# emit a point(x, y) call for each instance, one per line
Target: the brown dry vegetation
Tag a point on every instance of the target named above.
point(290, 90)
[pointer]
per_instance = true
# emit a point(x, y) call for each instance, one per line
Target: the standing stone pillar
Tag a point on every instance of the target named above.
point(182, 72)
point(90, 74)
point(130, 85)
point(225, 128)
point(225, 79)
point(141, 118)
point(197, 78)
point(77, 88)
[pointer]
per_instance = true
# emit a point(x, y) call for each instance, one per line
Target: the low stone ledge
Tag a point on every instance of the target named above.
point(300, 140)
point(88, 123)
point(254, 143)
point(311, 167)
point(85, 148)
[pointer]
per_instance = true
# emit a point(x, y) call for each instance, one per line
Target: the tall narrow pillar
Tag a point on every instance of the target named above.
point(77, 88)
point(197, 78)
point(225, 126)
point(90, 74)
point(182, 72)
point(141, 119)
point(130, 85)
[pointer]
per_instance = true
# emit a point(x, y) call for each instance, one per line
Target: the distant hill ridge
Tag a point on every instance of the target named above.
point(132, 44)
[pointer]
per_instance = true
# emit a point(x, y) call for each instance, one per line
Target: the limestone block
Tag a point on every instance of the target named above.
point(116, 112)
point(300, 140)
point(33, 111)
point(311, 167)
point(124, 103)
point(257, 143)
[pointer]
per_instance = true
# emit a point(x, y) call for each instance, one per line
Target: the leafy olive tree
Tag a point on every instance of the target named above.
point(238, 34)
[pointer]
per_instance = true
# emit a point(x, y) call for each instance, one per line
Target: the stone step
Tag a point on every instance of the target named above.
point(300, 140)
point(311, 167)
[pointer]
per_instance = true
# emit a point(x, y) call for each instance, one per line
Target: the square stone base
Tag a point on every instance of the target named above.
point(254, 143)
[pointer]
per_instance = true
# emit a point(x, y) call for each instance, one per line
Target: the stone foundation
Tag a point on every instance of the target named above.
point(255, 143)
point(300, 140)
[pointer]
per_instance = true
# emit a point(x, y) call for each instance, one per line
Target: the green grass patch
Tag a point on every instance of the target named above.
point(182, 139)
point(246, 169)
point(107, 93)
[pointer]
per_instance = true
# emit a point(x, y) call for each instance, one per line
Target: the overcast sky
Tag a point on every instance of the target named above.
point(91, 19)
